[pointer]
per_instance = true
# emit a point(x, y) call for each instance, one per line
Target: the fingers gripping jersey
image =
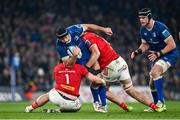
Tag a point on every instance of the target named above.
point(107, 54)
point(68, 79)
point(64, 50)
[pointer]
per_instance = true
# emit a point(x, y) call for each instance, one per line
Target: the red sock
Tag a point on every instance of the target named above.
point(35, 105)
point(153, 106)
point(123, 105)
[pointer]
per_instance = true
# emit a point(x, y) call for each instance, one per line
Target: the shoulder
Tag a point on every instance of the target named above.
point(74, 28)
point(56, 68)
point(160, 25)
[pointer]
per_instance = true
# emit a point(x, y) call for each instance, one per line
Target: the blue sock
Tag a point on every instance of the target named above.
point(102, 94)
point(95, 93)
point(159, 87)
point(155, 96)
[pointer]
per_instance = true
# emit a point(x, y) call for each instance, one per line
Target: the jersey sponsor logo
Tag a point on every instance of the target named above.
point(166, 33)
point(152, 41)
point(154, 34)
point(76, 37)
point(68, 87)
point(66, 71)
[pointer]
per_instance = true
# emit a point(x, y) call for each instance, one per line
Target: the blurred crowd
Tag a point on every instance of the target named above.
point(27, 33)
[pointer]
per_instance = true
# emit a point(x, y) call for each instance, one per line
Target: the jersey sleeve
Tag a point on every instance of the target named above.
point(62, 52)
point(84, 71)
point(88, 40)
point(164, 31)
point(76, 29)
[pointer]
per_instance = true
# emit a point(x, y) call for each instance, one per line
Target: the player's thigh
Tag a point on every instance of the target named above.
point(159, 68)
point(164, 66)
point(117, 69)
point(56, 98)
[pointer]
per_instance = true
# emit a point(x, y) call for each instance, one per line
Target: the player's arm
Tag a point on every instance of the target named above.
point(94, 55)
point(169, 47)
point(142, 48)
point(71, 60)
point(95, 79)
point(92, 65)
point(96, 28)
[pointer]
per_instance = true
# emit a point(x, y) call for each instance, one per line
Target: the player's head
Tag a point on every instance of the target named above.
point(145, 16)
point(62, 34)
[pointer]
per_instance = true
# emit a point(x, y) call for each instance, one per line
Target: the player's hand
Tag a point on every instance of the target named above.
point(133, 55)
point(153, 56)
point(136, 53)
point(76, 51)
point(108, 31)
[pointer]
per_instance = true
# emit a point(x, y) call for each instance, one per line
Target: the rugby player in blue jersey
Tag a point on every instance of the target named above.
point(69, 39)
point(162, 52)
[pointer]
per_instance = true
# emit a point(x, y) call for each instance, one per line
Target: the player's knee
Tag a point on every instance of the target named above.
point(154, 74)
point(127, 86)
point(151, 85)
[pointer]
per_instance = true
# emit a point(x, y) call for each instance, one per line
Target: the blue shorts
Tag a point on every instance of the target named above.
point(170, 58)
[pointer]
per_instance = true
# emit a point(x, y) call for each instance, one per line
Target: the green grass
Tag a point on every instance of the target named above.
point(10, 110)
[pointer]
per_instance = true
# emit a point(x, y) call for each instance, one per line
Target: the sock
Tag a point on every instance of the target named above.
point(31, 108)
point(153, 106)
point(95, 92)
point(123, 105)
point(35, 105)
point(159, 87)
point(155, 96)
point(102, 94)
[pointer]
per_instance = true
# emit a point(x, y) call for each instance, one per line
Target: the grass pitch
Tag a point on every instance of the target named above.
point(10, 110)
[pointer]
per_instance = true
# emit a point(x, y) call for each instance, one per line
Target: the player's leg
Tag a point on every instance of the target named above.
point(94, 88)
point(154, 94)
point(64, 103)
point(40, 101)
point(95, 92)
point(153, 90)
point(113, 98)
point(156, 72)
point(98, 91)
point(130, 90)
point(102, 94)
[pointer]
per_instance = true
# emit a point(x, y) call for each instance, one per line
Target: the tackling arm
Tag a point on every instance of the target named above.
point(96, 28)
point(72, 59)
point(94, 55)
point(95, 79)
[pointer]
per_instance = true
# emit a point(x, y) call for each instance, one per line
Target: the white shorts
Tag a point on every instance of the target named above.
point(165, 65)
point(63, 102)
point(117, 70)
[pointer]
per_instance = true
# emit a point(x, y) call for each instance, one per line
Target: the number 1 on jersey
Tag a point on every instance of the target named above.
point(67, 78)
